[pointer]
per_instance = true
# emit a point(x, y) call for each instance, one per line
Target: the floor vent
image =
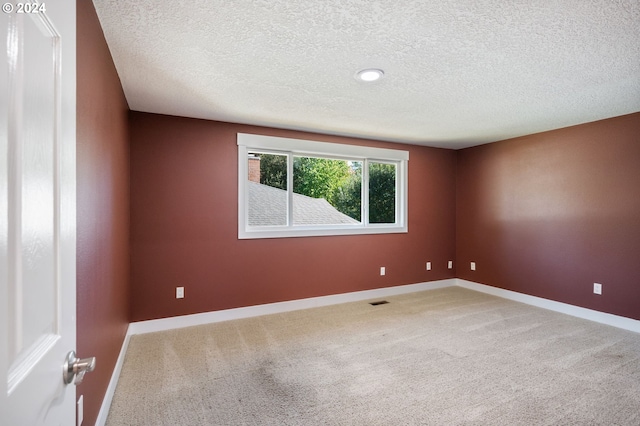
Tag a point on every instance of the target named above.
point(381, 302)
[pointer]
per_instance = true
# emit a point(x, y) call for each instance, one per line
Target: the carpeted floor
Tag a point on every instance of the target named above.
point(442, 357)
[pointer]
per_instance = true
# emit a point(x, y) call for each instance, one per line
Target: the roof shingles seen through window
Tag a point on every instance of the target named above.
point(268, 207)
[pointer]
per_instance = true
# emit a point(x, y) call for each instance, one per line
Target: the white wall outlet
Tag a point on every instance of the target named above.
point(473, 266)
point(80, 407)
point(428, 266)
point(383, 270)
point(179, 292)
point(597, 288)
point(450, 264)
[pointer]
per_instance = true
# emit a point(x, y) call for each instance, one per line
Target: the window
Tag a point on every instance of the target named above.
point(295, 188)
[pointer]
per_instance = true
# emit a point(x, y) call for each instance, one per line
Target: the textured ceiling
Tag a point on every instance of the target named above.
point(457, 72)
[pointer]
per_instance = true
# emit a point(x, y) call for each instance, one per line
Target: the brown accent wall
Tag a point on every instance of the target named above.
point(102, 209)
point(184, 214)
point(552, 213)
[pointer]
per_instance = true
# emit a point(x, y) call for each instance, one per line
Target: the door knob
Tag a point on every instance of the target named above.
point(76, 367)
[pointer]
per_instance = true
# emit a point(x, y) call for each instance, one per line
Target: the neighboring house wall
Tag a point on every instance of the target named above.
point(184, 222)
point(552, 213)
point(254, 169)
point(102, 209)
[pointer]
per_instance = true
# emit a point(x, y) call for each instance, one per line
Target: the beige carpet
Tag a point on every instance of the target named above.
point(442, 357)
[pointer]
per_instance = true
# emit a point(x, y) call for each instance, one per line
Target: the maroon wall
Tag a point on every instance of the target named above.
point(552, 213)
point(102, 209)
point(184, 215)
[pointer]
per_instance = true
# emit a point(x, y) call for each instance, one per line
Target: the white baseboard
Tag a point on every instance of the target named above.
point(576, 311)
point(111, 389)
point(150, 326)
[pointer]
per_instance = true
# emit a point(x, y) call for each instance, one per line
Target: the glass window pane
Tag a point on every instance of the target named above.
point(326, 191)
point(267, 186)
point(382, 193)
point(300, 188)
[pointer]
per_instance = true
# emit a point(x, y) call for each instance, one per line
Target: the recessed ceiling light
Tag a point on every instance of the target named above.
point(370, 74)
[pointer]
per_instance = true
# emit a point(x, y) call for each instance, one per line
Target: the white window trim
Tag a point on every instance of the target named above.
point(249, 142)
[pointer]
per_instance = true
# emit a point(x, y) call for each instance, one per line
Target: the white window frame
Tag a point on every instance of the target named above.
point(299, 147)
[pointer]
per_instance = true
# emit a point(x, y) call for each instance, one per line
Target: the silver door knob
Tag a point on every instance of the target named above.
point(76, 367)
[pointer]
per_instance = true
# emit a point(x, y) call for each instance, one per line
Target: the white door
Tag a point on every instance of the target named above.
point(37, 211)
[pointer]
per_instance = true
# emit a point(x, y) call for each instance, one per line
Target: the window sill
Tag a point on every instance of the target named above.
point(320, 232)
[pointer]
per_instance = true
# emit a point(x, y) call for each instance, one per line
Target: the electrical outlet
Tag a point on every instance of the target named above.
point(80, 407)
point(473, 266)
point(428, 266)
point(179, 292)
point(597, 288)
point(450, 264)
point(383, 270)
